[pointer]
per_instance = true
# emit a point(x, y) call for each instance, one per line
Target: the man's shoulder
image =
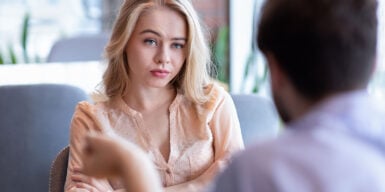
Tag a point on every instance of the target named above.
point(249, 170)
point(299, 160)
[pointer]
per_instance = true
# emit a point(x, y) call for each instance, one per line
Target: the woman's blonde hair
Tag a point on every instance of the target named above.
point(195, 73)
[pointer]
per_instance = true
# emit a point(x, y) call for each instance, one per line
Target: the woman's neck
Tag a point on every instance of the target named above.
point(143, 100)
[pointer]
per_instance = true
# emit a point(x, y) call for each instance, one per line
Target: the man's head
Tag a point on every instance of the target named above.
point(322, 46)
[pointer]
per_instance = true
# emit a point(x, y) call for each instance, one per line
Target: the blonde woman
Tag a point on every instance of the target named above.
point(159, 97)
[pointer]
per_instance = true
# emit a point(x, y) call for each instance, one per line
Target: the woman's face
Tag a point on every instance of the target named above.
point(156, 49)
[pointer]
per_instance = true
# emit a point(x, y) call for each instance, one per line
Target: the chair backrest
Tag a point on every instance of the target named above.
point(257, 116)
point(79, 48)
point(34, 123)
point(58, 171)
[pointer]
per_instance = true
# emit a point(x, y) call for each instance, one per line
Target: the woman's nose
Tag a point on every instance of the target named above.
point(163, 55)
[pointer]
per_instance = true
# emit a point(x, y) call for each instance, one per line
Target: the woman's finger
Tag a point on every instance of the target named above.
point(86, 186)
point(91, 184)
point(78, 177)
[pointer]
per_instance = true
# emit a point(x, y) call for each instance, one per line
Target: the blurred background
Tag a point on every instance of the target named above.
point(30, 28)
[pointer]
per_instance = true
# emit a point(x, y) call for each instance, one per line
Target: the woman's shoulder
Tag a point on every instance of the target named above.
point(216, 91)
point(88, 107)
point(216, 94)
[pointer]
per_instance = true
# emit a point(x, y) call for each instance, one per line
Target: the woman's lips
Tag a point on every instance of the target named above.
point(160, 73)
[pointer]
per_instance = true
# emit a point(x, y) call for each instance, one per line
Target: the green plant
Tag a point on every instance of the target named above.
point(255, 74)
point(10, 57)
point(220, 50)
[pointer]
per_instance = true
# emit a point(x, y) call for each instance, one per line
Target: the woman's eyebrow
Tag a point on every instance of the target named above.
point(158, 34)
point(150, 31)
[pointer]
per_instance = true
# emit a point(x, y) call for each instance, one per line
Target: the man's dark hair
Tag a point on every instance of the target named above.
point(324, 46)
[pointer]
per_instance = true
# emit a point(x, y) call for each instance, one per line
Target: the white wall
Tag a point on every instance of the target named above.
point(241, 38)
point(381, 34)
point(241, 17)
point(377, 86)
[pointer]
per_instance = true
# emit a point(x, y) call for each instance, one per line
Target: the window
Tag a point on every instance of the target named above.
point(377, 86)
point(241, 13)
point(49, 21)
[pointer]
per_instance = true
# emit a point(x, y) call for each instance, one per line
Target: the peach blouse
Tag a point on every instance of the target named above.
point(202, 137)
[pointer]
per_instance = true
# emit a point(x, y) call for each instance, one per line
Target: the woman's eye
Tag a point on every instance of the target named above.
point(178, 45)
point(150, 41)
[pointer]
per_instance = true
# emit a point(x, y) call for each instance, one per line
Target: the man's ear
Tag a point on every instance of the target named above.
point(276, 74)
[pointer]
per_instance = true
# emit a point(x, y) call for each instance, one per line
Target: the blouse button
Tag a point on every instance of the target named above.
point(168, 171)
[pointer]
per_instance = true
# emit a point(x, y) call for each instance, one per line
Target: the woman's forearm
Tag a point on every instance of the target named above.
point(139, 172)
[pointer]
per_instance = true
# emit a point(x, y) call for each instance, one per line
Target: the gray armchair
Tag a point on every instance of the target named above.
point(79, 48)
point(257, 116)
point(34, 123)
point(58, 172)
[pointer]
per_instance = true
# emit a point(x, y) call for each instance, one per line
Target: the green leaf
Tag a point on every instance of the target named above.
point(250, 62)
point(12, 55)
point(24, 36)
point(38, 59)
point(1, 58)
point(220, 51)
